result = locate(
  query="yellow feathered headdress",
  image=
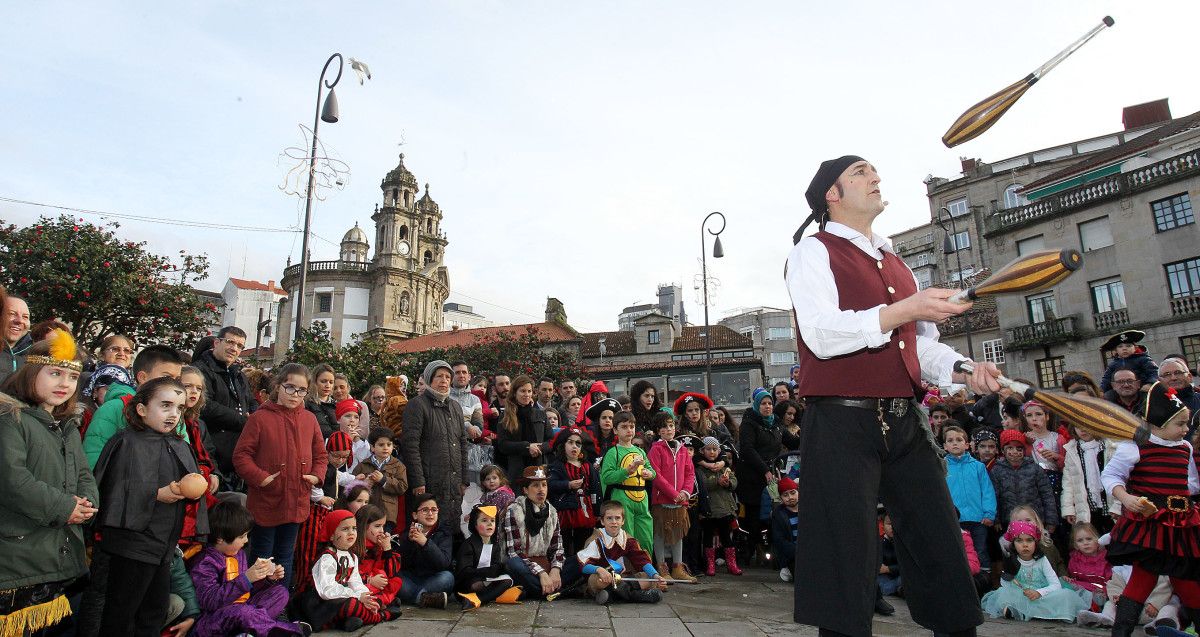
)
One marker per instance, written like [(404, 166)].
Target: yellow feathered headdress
[(63, 352)]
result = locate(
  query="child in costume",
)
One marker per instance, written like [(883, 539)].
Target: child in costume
[(624, 472), (142, 516), (721, 512), (611, 553), (308, 538), (1159, 529), (601, 416), (573, 486), (674, 484), (338, 595), (236, 598), (385, 474), (1026, 513), (349, 420), (378, 561), (533, 540), (481, 577), (1127, 354), (1031, 589)]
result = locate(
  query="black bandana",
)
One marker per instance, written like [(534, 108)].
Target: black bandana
[(825, 178), (534, 521)]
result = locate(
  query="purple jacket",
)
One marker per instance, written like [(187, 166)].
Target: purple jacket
[(213, 591)]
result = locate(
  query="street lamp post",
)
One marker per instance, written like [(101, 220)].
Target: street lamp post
[(327, 114), (949, 246), (718, 252)]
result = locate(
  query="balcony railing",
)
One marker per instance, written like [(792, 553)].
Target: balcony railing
[(1107, 320), (1185, 305), (327, 266), (1111, 187), (1057, 330)]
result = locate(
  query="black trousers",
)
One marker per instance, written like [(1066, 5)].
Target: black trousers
[(137, 598), (846, 467)]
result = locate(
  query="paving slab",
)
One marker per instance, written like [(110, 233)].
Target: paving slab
[(656, 626), (724, 629), (573, 615)]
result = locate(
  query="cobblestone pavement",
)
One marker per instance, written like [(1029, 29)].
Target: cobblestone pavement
[(757, 603)]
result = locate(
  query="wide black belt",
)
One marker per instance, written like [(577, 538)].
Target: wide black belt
[(897, 407), (1177, 503)]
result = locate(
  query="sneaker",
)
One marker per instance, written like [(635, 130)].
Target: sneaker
[(352, 624), (602, 596), (785, 574), (433, 600), (1089, 619), (305, 629)]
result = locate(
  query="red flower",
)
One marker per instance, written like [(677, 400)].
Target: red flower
[(24, 280), (1170, 392), (107, 264)]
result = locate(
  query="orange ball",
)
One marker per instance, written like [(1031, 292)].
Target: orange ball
[(193, 485)]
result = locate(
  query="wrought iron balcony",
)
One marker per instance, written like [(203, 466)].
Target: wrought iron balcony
[(1112, 187), (1057, 330), (1105, 321)]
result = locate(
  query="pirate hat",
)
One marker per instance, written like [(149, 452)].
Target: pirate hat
[(1160, 405), (1128, 336), (604, 404), (681, 403)]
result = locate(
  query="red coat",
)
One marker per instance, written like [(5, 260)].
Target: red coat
[(673, 473), (287, 441)]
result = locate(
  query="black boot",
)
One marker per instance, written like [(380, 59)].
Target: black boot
[(1128, 614), (493, 590), (882, 607)]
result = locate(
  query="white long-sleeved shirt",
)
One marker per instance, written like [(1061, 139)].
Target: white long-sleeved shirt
[(1047, 571), (829, 331), (1117, 471), (325, 582)]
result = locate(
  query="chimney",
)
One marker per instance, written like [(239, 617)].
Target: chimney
[(968, 164), (555, 312), (271, 285), (1147, 114)]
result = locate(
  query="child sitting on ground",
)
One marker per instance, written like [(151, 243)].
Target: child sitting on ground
[(889, 582), (612, 558), (385, 474), (378, 563), (481, 576), (1088, 567), (236, 598), (338, 594), (1031, 589), (425, 556), (1026, 513), (784, 520)]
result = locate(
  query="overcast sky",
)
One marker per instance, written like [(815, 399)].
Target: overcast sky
[(574, 147)]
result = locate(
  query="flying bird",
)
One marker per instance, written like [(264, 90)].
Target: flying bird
[(361, 69)]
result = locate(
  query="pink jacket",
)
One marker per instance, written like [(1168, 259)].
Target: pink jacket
[(674, 473), (972, 556)]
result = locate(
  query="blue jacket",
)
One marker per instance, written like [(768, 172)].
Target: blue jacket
[(1139, 363), (970, 488)]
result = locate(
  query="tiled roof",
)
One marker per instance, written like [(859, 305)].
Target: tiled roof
[(690, 339), (247, 284), (602, 370), (551, 332), (1120, 151)]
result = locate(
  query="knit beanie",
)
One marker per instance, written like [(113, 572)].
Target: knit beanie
[(787, 484), (345, 406), (333, 519), (339, 441)]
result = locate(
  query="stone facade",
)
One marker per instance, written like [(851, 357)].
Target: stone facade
[(774, 334), (397, 293)]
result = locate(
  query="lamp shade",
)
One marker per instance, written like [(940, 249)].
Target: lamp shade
[(718, 251), (329, 113), (947, 244)]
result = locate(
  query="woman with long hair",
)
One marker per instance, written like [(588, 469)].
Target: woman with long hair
[(645, 404), (523, 435)]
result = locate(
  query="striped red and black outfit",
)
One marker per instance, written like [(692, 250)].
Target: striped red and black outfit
[(1168, 541)]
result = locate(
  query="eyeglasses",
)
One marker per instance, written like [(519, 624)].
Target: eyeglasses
[(230, 343), (1124, 382), (292, 390), (118, 350), (1171, 374), (427, 510)]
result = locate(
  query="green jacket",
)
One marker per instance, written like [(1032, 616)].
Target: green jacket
[(106, 422), (109, 419), (42, 467), (181, 585)]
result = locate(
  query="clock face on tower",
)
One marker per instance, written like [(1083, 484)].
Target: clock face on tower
[(402, 248)]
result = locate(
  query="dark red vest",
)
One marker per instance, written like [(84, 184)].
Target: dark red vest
[(1160, 470), (864, 282)]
